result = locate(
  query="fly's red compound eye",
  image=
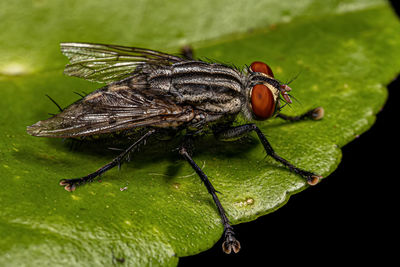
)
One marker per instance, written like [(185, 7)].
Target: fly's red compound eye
[(258, 66), (262, 102)]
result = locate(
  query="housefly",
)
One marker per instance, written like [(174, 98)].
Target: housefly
[(150, 92)]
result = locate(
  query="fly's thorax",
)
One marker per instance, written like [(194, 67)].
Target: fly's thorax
[(159, 79), (208, 87)]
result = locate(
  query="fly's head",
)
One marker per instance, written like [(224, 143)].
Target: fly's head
[(264, 92)]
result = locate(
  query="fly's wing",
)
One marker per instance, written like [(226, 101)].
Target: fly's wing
[(111, 109), (108, 63)]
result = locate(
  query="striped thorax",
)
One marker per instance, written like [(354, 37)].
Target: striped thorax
[(218, 89)]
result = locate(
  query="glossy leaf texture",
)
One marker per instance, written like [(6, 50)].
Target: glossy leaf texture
[(155, 209)]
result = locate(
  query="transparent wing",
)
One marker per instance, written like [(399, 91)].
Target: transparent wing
[(107, 111), (108, 63)]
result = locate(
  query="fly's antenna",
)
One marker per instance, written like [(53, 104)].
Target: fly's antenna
[(55, 103), (289, 95)]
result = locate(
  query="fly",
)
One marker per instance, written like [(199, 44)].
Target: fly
[(150, 92)]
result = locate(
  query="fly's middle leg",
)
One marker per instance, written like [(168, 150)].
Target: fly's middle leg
[(71, 184), (239, 131), (230, 243)]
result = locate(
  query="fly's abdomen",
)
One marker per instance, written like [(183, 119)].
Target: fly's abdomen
[(210, 87)]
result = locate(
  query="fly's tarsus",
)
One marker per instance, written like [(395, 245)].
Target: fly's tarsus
[(72, 184), (313, 114)]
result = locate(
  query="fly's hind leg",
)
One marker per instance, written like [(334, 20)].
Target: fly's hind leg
[(71, 184), (230, 243), (242, 130)]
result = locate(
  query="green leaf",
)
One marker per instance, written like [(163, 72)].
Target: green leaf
[(345, 52)]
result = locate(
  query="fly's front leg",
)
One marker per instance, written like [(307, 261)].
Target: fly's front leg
[(313, 114), (71, 184), (239, 131), (230, 242)]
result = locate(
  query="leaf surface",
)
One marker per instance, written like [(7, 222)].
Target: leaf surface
[(345, 51)]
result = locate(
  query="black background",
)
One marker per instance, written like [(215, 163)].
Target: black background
[(349, 218)]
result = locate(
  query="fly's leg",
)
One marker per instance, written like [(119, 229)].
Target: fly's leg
[(71, 184), (239, 131), (230, 242), (313, 114), (187, 52)]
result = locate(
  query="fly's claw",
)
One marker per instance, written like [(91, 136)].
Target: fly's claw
[(71, 184), (68, 184), (317, 113), (313, 179), (231, 243)]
